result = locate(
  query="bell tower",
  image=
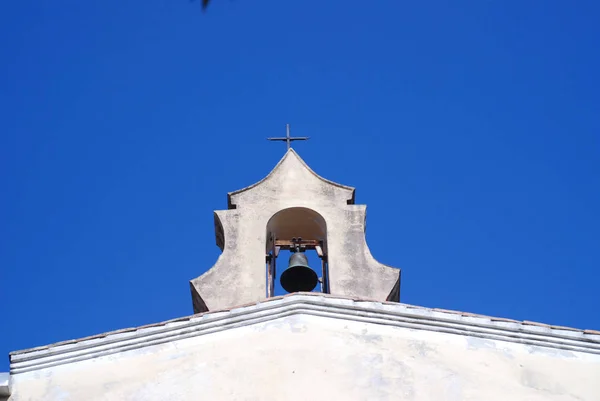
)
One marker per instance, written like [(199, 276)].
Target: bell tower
[(293, 209)]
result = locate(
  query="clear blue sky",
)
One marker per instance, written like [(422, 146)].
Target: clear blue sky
[(469, 128)]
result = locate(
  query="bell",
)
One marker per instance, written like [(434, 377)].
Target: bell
[(298, 276)]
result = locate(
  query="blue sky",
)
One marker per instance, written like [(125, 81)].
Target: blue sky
[(469, 128)]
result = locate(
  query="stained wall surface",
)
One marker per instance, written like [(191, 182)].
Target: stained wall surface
[(304, 357)]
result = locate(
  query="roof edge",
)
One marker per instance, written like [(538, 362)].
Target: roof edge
[(315, 304)]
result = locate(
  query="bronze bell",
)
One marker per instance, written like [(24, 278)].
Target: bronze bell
[(299, 276)]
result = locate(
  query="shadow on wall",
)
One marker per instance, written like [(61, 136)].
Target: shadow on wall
[(285, 227)]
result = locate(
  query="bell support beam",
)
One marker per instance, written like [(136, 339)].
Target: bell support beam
[(291, 244)]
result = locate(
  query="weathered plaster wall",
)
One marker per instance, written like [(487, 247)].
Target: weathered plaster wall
[(302, 357), (238, 277)]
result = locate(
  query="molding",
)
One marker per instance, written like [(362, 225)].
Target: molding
[(390, 314)]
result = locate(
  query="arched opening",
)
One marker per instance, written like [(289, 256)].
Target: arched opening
[(300, 234)]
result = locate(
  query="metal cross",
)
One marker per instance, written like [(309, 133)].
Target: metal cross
[(289, 139)]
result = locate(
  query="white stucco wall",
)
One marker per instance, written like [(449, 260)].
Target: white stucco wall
[(305, 357)]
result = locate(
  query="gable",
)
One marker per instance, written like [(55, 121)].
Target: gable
[(299, 345)]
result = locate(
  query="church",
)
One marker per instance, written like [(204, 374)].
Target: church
[(340, 332)]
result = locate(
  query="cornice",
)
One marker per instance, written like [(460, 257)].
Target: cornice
[(382, 313)]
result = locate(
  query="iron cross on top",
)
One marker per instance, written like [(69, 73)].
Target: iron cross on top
[(289, 139)]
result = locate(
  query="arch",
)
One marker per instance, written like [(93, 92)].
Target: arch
[(284, 230), (296, 222)]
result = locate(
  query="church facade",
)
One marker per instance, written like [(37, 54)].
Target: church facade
[(341, 333)]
